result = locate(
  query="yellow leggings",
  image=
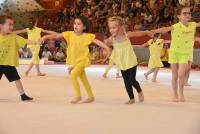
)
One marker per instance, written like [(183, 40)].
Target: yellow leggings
[(35, 54), (79, 71), (109, 67)]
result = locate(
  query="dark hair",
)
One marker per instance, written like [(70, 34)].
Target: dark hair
[(86, 23), (180, 8), (32, 23), (155, 37), (3, 18)]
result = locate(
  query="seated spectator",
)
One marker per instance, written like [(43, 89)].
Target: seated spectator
[(165, 55), (94, 55), (60, 56), (26, 53), (20, 51), (46, 54), (52, 46)]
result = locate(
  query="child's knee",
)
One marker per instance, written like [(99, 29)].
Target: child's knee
[(181, 76), (175, 77)]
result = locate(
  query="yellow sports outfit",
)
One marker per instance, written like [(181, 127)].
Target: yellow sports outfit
[(34, 35), (182, 42), (79, 57), (155, 50), (123, 55), (9, 45)]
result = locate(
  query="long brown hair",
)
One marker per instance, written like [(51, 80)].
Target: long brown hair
[(155, 37), (33, 22)]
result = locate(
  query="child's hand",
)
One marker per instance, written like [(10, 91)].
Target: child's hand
[(150, 33), (70, 68), (41, 40), (107, 56)]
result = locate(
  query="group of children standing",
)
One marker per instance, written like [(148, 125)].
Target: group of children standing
[(78, 57)]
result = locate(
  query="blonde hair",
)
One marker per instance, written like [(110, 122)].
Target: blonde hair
[(119, 19), (121, 22)]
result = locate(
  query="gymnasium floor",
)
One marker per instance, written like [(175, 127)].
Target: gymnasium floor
[(51, 112)]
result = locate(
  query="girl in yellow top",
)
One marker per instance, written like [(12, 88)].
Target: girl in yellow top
[(182, 42), (34, 33), (155, 46), (78, 56), (126, 59)]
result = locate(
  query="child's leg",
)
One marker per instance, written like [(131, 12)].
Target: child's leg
[(188, 74), (135, 83), (29, 68), (155, 75), (107, 70), (149, 72), (181, 79), (174, 68), (12, 75), (117, 73), (75, 73), (19, 86), (36, 59), (38, 70), (20, 89), (128, 86), (87, 86)]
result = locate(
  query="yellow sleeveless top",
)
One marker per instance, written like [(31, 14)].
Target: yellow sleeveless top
[(155, 48), (183, 38), (123, 55), (34, 35)]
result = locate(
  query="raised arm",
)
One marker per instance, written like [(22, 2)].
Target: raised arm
[(52, 36), (141, 46), (139, 33), (20, 31), (108, 41), (102, 45), (167, 41), (198, 24), (162, 30), (49, 32)]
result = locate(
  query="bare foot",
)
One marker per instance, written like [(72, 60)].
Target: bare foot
[(155, 81), (187, 84), (182, 99), (76, 100), (141, 97), (146, 76), (118, 76), (41, 74), (89, 100), (175, 99), (131, 101), (104, 75)]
